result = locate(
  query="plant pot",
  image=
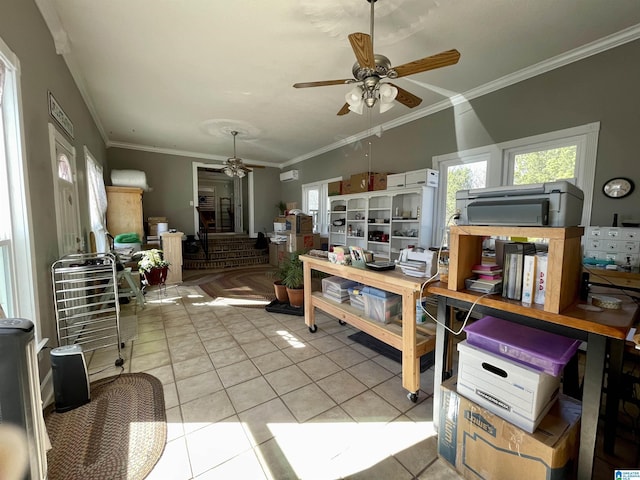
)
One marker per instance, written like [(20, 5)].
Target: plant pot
[(156, 276), (281, 292), (296, 296)]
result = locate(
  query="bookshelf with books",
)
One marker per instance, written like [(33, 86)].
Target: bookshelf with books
[(564, 259)]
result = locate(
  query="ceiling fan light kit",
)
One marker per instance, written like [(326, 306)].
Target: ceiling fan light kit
[(234, 167), (370, 68)]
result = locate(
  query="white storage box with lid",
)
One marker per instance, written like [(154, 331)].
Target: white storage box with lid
[(519, 394), (337, 288), (415, 178), (381, 305)]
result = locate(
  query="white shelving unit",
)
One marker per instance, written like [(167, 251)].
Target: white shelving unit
[(384, 221)]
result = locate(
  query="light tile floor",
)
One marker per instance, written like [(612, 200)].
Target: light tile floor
[(254, 395)]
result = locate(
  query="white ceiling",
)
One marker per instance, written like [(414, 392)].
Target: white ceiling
[(177, 76)]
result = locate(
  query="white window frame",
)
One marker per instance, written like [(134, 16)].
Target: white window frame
[(24, 300), (500, 164), (322, 225)]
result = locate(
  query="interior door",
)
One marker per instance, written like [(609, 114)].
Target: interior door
[(63, 159)]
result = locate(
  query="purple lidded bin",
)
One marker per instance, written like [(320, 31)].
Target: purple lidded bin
[(541, 350)]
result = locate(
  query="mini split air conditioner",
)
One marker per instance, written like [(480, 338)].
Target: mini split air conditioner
[(289, 176)]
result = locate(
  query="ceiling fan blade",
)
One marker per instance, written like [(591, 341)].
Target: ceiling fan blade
[(324, 83), (344, 110), (363, 48), (406, 98), (442, 59)]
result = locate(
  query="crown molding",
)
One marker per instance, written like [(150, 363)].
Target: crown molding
[(186, 153)]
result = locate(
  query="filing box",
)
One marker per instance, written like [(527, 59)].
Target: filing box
[(515, 392), (481, 445), (538, 349), (381, 305)]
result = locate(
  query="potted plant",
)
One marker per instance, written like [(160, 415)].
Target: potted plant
[(293, 279), (279, 288), (282, 207), (153, 266)]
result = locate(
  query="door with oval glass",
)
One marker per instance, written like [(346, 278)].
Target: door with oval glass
[(63, 156)]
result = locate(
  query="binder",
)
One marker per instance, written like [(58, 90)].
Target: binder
[(513, 268)]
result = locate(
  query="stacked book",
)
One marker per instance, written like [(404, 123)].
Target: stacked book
[(414, 268), (488, 278)]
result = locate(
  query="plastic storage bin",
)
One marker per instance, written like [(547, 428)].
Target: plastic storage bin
[(381, 305), (541, 350), (337, 288)]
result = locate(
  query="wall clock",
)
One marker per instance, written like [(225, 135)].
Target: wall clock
[(618, 187)]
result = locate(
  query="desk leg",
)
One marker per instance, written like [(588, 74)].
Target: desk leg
[(594, 369), (410, 362), (441, 369), (309, 313), (614, 384)]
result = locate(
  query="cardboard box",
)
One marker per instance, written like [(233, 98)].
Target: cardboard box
[(379, 181), (299, 224), (277, 253), (481, 445), (334, 188), (291, 205), (360, 182), (518, 393), (303, 243)]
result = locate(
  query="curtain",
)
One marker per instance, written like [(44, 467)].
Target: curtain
[(97, 204), (1, 79)]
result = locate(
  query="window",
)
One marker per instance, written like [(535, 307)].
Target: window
[(562, 155), (315, 202), (15, 216)]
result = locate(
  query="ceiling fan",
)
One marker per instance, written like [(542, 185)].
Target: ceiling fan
[(234, 166), (370, 68)]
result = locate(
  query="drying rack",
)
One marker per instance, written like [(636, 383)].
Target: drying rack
[(86, 301)]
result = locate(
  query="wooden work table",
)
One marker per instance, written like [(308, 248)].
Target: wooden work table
[(413, 340), (600, 329)]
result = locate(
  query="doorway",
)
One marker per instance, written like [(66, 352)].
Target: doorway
[(220, 200)]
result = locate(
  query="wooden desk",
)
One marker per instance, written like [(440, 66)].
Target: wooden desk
[(615, 278), (596, 328), (413, 340)]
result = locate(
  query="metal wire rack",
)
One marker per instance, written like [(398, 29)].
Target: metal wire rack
[(86, 301)]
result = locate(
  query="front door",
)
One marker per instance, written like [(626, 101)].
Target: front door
[(63, 157)]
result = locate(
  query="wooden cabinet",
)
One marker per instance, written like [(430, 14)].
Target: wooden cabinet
[(124, 211)]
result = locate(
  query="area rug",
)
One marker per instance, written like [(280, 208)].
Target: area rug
[(243, 287), (426, 360), (119, 434)]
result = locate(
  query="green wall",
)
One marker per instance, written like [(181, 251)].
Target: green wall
[(171, 178), (23, 29), (601, 88)]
